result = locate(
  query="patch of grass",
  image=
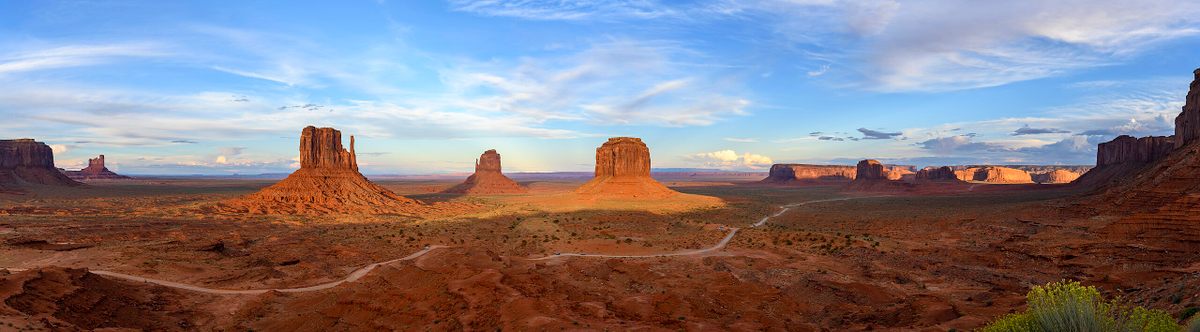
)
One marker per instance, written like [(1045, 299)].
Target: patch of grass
[(1069, 306)]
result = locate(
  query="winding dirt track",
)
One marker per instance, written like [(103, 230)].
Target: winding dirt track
[(359, 273)]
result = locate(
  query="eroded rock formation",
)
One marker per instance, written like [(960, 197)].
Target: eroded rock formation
[(944, 173), (94, 171), (623, 170), (1127, 149), (26, 162), (1187, 124), (994, 174), (487, 178), (870, 169), (328, 182), (1058, 176), (783, 173)]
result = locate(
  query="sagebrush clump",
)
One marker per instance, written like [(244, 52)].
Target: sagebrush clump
[(1069, 306)]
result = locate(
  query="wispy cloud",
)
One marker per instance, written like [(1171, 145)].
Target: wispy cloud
[(78, 55)]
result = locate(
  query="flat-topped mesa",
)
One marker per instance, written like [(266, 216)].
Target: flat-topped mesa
[(25, 161), (94, 171), (994, 174), (1058, 176), (1127, 149), (623, 171), (781, 173), (870, 169), (1187, 124), (328, 182), (487, 178), (322, 148), (944, 173), (623, 156)]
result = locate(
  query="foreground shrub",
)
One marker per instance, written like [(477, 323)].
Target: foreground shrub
[(1194, 326), (1069, 306)]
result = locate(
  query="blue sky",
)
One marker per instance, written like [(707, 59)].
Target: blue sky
[(192, 87)]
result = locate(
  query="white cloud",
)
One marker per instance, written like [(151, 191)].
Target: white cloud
[(741, 140), (731, 159), (66, 56)]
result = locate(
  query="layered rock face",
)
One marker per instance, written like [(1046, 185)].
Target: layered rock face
[(870, 169), (327, 182), (1058, 176), (1187, 124), (994, 174), (487, 178), (897, 172), (623, 170), (26, 162), (944, 173), (783, 173), (94, 171), (1127, 149)]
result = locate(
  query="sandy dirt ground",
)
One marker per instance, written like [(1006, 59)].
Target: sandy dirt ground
[(905, 261)]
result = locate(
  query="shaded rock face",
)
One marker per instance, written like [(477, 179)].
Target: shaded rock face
[(870, 169), (1187, 124), (1057, 176), (95, 170), (623, 171), (944, 173), (24, 162), (810, 173), (328, 182), (487, 178), (1126, 149)]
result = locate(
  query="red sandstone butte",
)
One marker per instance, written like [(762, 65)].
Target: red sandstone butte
[(994, 174), (25, 162), (623, 171), (944, 173), (94, 171), (488, 179), (870, 169), (1187, 124), (804, 173), (1058, 176), (328, 182)]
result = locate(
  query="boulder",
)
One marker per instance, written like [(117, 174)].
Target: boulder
[(94, 171), (25, 162), (328, 182), (784, 173), (623, 171), (487, 178)]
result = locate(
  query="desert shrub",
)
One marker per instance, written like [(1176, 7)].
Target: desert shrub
[(1194, 325), (1069, 306), (1188, 313)]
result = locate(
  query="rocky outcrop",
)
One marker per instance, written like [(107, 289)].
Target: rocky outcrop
[(870, 169), (25, 162), (899, 172), (944, 173), (487, 179), (623, 171), (994, 174), (1058, 176), (1127, 149), (804, 173), (328, 182), (94, 171), (1187, 124)]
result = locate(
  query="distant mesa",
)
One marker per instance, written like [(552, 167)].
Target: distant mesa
[(623, 170), (994, 174), (328, 182), (25, 162), (870, 169), (944, 173), (487, 179), (94, 171), (805, 173), (1058, 176)]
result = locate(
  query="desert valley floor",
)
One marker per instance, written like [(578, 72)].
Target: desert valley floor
[(834, 260)]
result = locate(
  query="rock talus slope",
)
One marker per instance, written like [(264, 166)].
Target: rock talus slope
[(327, 182), (623, 170)]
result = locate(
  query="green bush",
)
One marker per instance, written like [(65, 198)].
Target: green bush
[(1069, 306)]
